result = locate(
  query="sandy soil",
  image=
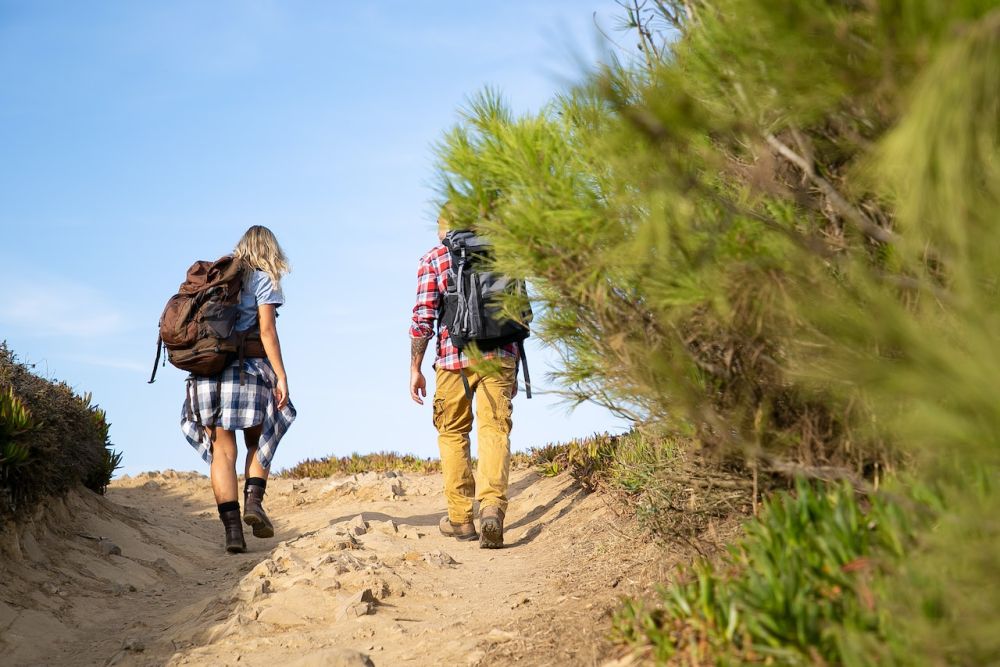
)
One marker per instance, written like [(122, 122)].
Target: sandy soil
[(139, 577)]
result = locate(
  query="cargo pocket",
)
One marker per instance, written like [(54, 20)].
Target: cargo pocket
[(438, 412), (501, 407), (505, 410)]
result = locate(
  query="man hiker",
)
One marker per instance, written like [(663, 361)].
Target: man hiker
[(459, 381)]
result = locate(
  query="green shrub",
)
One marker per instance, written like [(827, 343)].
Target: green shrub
[(798, 582), (98, 478), (587, 459), (939, 600), (591, 461), (549, 460), (42, 458), (16, 425)]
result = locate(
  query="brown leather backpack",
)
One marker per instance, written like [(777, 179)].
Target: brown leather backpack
[(198, 324)]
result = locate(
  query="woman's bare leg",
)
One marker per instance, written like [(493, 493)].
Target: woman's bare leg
[(253, 494), (225, 487), (253, 468), (223, 469)]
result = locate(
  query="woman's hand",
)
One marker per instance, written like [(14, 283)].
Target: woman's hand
[(281, 393), (272, 347)]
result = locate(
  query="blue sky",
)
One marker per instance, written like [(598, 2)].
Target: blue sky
[(137, 137)]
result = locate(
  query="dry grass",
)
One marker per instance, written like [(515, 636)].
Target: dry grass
[(361, 463), (678, 495)]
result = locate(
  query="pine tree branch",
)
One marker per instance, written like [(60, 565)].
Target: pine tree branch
[(645, 38), (851, 213), (791, 469), (672, 17)]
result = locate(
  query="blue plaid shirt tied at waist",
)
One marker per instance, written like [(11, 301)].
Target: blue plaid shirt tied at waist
[(221, 401)]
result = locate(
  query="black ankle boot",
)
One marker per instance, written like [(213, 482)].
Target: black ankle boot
[(235, 544), (254, 514)]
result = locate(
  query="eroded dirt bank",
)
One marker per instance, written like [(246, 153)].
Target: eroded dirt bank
[(139, 577)]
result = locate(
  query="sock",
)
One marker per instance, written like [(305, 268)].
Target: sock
[(255, 481), (229, 506)]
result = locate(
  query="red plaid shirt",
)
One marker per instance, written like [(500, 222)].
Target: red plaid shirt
[(432, 280)]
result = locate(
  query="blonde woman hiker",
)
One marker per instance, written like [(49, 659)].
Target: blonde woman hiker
[(250, 394), (447, 276)]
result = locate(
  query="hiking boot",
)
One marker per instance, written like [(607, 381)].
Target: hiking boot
[(460, 531), (491, 528), (235, 544), (253, 512)]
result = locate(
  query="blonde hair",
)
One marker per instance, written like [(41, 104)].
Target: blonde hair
[(259, 248), (446, 218)]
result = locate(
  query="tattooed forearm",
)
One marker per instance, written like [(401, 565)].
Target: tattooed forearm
[(418, 346)]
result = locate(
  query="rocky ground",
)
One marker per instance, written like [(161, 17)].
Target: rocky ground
[(357, 574)]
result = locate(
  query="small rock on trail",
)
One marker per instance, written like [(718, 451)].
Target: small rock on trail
[(333, 657), (360, 604), (108, 548)]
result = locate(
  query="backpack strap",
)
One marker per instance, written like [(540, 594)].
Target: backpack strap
[(465, 383), (524, 365), (217, 415), (159, 349), (242, 357)]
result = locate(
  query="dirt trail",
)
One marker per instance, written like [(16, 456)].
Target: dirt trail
[(329, 589)]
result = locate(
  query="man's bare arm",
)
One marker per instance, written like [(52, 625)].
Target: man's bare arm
[(418, 347), (418, 385)]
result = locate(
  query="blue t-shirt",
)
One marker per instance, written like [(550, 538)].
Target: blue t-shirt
[(259, 290)]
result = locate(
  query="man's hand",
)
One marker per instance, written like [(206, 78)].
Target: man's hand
[(418, 386)]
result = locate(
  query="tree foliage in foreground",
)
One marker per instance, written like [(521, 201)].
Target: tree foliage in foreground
[(778, 230)]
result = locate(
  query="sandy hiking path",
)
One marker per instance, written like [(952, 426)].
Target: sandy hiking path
[(357, 574)]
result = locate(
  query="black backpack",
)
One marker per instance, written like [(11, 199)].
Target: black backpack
[(473, 308)]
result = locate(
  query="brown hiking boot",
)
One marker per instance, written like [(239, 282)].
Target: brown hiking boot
[(460, 531), (253, 513), (491, 528), (235, 544)]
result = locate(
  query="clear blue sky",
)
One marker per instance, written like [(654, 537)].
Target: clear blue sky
[(137, 137)]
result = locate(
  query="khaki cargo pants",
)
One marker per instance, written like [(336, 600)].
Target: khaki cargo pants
[(453, 420)]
